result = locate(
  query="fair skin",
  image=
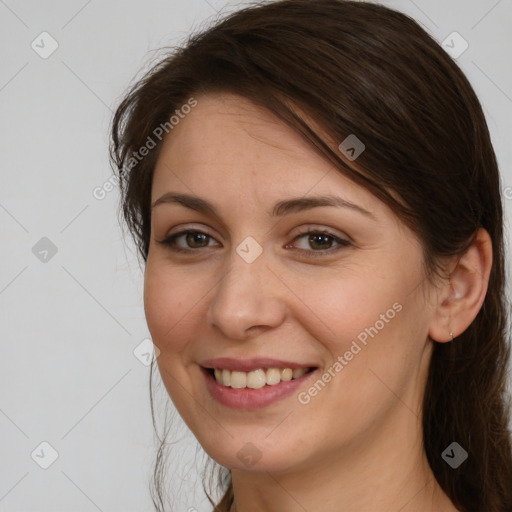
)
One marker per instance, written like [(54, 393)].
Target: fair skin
[(357, 444)]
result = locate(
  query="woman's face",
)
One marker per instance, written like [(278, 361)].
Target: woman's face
[(270, 280)]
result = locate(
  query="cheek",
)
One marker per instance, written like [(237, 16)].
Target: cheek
[(373, 323), (171, 299), (336, 311), (171, 304), (374, 332)]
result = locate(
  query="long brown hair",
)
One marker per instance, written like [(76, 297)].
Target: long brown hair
[(361, 68)]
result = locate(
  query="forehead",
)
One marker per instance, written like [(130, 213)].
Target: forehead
[(227, 147), (225, 129)]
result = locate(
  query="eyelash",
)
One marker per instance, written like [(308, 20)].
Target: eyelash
[(169, 242)]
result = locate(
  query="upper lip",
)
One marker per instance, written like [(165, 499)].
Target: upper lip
[(247, 365)]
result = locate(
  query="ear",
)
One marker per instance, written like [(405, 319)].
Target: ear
[(459, 299)]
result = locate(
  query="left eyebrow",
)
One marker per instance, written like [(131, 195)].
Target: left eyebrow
[(305, 203), (280, 209)]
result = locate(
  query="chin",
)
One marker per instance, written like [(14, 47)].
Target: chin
[(261, 453), (250, 458)]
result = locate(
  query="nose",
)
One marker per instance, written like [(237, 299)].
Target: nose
[(248, 299)]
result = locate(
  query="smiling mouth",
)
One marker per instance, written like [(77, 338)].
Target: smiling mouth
[(258, 378)]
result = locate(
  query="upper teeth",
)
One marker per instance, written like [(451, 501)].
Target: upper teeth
[(257, 378)]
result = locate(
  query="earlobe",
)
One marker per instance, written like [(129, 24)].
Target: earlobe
[(461, 298)]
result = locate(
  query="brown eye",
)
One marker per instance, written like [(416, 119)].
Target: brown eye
[(192, 240), (196, 239), (319, 243)]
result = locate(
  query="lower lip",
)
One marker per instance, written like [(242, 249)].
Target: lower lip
[(250, 399)]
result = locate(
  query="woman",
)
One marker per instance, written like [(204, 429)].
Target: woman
[(314, 192)]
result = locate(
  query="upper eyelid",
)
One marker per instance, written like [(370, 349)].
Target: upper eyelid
[(306, 229)]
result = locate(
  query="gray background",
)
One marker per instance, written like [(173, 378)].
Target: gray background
[(72, 320)]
